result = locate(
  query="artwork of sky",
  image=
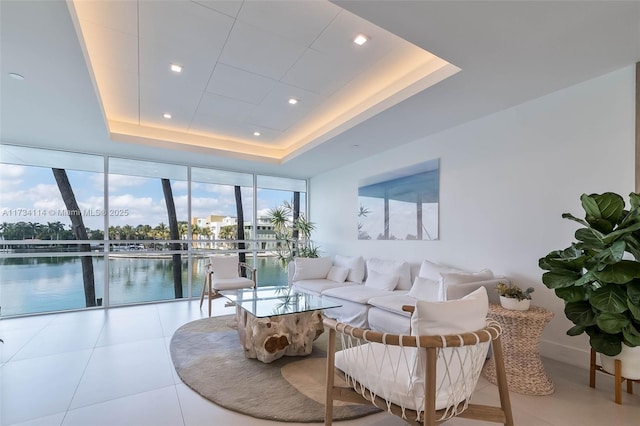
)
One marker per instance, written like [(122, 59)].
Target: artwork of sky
[(400, 205)]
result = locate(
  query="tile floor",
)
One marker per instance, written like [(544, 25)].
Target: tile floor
[(113, 368)]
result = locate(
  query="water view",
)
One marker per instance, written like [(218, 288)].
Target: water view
[(44, 284)]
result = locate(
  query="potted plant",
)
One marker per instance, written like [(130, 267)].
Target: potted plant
[(293, 231), (600, 286), (513, 297)]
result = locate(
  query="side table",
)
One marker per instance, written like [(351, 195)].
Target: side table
[(521, 331)]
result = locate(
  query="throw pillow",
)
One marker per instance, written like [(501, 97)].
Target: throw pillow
[(432, 270), (338, 274), (355, 266), (451, 279), (391, 267), (381, 281), (451, 317), (224, 267), (313, 268), (426, 289)]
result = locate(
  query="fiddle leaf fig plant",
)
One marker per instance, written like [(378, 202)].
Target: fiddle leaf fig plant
[(599, 285)]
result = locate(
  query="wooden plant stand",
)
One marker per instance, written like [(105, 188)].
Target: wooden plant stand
[(617, 377)]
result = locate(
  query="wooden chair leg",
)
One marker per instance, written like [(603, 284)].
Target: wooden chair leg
[(501, 376), (618, 381), (204, 286), (331, 351), (630, 386), (210, 295), (592, 370)]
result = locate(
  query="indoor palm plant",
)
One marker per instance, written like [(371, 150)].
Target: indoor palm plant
[(598, 283), (293, 232)]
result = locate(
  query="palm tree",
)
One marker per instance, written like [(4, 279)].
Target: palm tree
[(80, 233), (293, 235), (175, 235)]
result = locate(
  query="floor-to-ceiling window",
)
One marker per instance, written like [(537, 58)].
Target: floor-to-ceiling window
[(82, 230)]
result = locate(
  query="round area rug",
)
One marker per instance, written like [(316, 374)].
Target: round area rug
[(208, 358)]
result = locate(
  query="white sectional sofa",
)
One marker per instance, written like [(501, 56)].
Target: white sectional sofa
[(372, 292)]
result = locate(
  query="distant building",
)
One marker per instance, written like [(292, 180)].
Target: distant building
[(215, 223)]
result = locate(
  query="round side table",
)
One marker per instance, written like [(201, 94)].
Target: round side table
[(521, 331)]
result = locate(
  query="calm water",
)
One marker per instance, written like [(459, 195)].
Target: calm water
[(31, 285)]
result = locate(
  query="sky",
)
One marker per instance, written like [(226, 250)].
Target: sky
[(30, 194)]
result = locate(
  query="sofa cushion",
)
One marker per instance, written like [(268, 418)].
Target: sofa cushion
[(316, 287), (432, 270), (381, 281), (399, 268), (311, 268), (426, 289), (355, 293), (393, 303), (355, 265), (338, 274)]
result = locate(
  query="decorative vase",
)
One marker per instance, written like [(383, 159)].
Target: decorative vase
[(630, 359), (514, 304)]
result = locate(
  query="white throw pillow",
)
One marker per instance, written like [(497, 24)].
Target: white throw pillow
[(432, 270), (338, 274), (224, 267), (355, 266), (448, 279), (391, 267), (451, 317), (311, 268), (426, 289), (381, 281)]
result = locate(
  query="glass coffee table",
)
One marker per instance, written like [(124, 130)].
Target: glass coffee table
[(277, 321)]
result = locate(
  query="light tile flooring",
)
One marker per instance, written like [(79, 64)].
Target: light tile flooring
[(113, 368)]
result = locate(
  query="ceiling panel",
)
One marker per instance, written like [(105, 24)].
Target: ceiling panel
[(323, 74), (179, 100), (228, 7), (239, 84), (120, 93), (183, 29), (299, 21), (259, 51), (276, 113)]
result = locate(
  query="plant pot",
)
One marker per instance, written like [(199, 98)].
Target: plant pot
[(514, 304), (630, 359)]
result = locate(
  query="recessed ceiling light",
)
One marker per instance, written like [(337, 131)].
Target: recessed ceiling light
[(16, 76), (360, 39), (166, 115), (293, 101), (176, 68), (256, 133)]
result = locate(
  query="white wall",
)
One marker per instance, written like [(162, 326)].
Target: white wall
[(505, 180)]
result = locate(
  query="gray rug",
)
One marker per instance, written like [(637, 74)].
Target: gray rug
[(208, 358)]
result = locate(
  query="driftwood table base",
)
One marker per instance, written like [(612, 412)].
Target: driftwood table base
[(271, 338)]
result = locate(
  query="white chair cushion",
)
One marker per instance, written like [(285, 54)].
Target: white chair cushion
[(381, 281), (224, 267), (316, 287), (311, 268), (399, 268), (231, 283), (355, 265), (338, 274), (426, 289)]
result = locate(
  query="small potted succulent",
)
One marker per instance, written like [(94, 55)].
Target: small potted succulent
[(513, 297)]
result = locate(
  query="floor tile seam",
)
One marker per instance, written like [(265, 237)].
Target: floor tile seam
[(25, 344), (175, 388), (111, 399), (75, 391)]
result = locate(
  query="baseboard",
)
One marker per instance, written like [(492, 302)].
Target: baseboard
[(567, 354)]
